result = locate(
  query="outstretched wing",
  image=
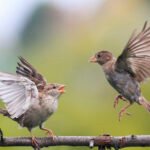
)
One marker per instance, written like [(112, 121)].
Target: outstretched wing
[(135, 57), (17, 93), (27, 70)]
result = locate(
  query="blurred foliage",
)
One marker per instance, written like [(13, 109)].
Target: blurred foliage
[(59, 47)]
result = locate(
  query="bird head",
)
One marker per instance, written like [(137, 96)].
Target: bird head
[(55, 89), (101, 57)]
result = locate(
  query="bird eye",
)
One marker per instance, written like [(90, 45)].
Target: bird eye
[(54, 87), (98, 55)]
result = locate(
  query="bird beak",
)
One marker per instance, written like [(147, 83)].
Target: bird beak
[(93, 59), (61, 89)]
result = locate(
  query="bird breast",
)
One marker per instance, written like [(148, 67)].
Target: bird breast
[(39, 112), (49, 104)]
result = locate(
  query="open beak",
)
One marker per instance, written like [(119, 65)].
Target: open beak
[(61, 89), (93, 59)]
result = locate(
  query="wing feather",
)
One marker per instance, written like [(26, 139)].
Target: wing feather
[(135, 57), (27, 70), (17, 93)]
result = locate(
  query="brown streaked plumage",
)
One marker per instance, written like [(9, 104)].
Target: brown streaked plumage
[(129, 69), (29, 99), (27, 70)]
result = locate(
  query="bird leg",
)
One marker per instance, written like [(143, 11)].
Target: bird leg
[(117, 100), (35, 142), (123, 110), (49, 132)]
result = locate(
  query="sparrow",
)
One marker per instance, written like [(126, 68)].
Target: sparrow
[(131, 68), (29, 99)]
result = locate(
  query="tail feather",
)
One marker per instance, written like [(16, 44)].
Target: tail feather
[(144, 103)]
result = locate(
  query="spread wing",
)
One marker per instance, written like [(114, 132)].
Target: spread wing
[(135, 57), (27, 70), (17, 93)]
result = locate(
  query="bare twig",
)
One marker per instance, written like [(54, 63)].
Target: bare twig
[(116, 142)]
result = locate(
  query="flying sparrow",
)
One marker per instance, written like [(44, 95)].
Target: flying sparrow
[(126, 72), (29, 99)]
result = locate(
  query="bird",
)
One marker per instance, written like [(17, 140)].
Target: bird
[(132, 67), (29, 99)]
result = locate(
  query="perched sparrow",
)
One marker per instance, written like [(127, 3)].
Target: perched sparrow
[(130, 69), (29, 99)]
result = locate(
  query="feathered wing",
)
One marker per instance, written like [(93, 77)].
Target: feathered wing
[(135, 57), (17, 93), (27, 70)]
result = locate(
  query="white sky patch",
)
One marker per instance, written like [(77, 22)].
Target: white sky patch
[(77, 5), (14, 15)]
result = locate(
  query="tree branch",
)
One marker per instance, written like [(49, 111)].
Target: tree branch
[(100, 141)]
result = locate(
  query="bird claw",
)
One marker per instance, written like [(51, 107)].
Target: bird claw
[(50, 134), (35, 143), (122, 112)]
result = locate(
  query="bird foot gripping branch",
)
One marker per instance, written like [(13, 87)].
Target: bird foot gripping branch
[(35, 143)]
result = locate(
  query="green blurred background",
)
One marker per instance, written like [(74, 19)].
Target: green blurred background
[(58, 37)]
